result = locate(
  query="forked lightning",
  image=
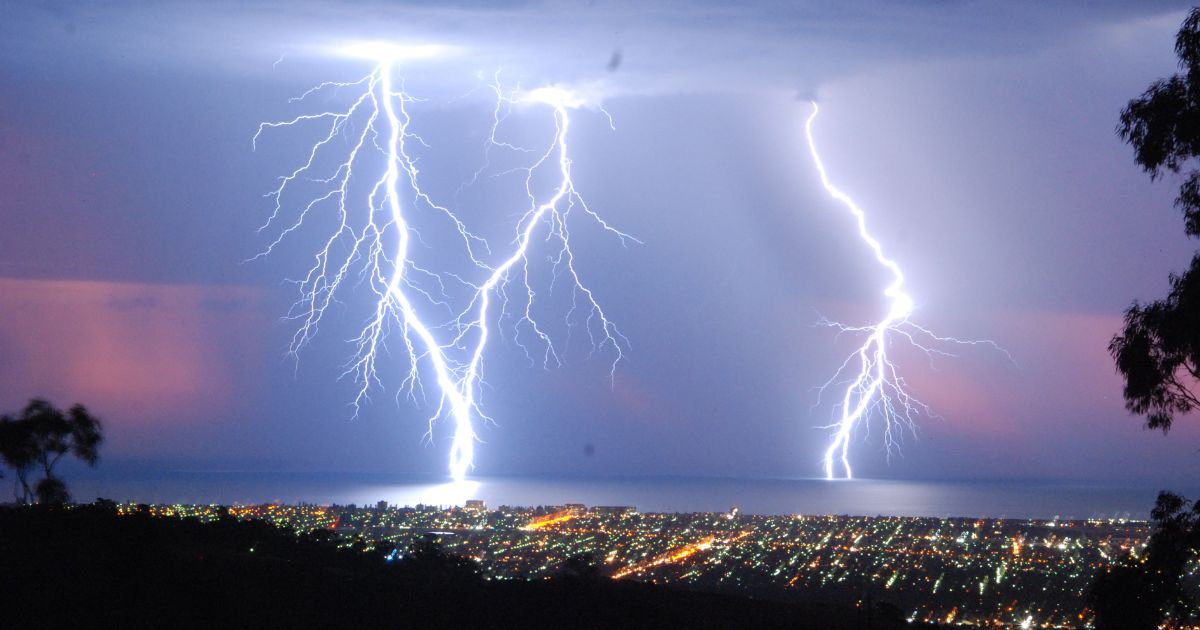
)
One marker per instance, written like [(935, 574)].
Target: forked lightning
[(371, 245), (873, 384)]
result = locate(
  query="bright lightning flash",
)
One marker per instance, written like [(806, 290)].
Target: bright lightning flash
[(874, 386), (372, 245)]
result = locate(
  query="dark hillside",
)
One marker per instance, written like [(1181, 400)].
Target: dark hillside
[(88, 567)]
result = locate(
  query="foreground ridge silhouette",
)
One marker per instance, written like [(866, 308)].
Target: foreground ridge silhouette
[(86, 565)]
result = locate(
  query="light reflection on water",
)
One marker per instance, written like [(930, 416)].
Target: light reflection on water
[(1008, 499)]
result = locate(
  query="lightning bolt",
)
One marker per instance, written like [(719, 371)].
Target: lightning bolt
[(371, 246), (875, 386)]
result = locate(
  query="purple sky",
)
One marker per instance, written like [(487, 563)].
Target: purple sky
[(978, 137)]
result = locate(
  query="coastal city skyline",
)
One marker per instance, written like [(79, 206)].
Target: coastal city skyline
[(1013, 573)]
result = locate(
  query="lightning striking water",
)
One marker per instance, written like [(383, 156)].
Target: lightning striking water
[(372, 245), (875, 386)]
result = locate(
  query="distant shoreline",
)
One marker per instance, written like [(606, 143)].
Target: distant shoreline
[(251, 510), (1019, 500)]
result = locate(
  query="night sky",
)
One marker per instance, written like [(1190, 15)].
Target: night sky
[(979, 138)]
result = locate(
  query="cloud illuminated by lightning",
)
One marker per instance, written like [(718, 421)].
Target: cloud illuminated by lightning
[(371, 245), (873, 384)]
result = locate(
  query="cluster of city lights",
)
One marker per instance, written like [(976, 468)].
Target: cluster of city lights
[(1010, 573)]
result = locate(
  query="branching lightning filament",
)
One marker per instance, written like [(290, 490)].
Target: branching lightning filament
[(374, 241), (873, 384)]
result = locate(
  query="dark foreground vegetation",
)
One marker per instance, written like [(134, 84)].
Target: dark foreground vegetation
[(1158, 355), (86, 566)]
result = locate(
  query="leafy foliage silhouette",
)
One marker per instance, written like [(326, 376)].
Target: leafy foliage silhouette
[(1158, 352), (1155, 589), (38, 438)]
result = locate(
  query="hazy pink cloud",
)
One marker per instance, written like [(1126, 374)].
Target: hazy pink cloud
[(1062, 377), (139, 353)]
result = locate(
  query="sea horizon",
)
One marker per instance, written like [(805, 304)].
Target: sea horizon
[(975, 498)]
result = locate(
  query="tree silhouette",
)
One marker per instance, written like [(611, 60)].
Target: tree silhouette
[(427, 558), (1158, 352), (582, 567), (1148, 591), (38, 437)]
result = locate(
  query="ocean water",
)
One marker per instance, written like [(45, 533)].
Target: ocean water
[(994, 499)]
